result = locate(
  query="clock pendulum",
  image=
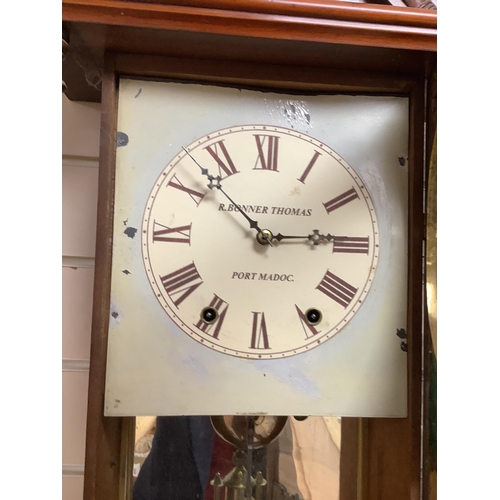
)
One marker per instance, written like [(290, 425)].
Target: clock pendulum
[(247, 433)]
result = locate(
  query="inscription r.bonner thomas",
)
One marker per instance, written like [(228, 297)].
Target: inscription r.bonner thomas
[(262, 209), (262, 276)]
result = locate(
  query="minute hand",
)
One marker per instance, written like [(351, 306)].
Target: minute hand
[(264, 238)]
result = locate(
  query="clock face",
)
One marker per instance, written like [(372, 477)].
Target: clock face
[(259, 241), (245, 253)]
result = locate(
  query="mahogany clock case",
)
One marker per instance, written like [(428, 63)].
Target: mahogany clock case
[(408, 83)]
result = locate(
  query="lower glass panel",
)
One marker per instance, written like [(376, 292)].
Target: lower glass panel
[(176, 458)]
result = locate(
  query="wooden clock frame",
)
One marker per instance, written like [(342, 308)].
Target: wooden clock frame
[(290, 45)]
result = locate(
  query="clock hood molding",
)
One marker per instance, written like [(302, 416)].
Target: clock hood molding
[(335, 35)]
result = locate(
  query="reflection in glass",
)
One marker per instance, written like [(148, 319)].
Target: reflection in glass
[(176, 458)]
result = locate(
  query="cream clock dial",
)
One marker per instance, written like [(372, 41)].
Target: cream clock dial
[(260, 242)]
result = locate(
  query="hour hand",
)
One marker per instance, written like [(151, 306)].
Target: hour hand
[(316, 238)]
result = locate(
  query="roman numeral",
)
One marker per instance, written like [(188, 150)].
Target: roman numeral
[(228, 166), (221, 307), (308, 168), (351, 244), (337, 289), (311, 330), (181, 283), (181, 234), (194, 195), (341, 200), (260, 339), (267, 145)]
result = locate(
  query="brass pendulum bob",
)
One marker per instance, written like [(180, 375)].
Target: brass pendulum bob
[(260, 482), (236, 482), (246, 433), (218, 484)]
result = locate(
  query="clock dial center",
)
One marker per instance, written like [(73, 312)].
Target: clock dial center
[(264, 237)]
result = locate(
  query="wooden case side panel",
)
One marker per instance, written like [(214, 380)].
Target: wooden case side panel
[(104, 435), (351, 456), (415, 283)]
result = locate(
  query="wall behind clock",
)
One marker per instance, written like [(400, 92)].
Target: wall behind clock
[(80, 140)]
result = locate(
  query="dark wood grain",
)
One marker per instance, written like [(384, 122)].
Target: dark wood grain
[(315, 44), (126, 457), (351, 475), (271, 76), (341, 11), (176, 43), (104, 434), (429, 393), (416, 222), (374, 27)]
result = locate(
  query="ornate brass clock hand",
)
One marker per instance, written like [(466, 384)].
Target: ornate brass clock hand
[(263, 237), (205, 172), (316, 238)]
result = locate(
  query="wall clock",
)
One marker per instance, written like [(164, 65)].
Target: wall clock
[(259, 250), (375, 50)]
